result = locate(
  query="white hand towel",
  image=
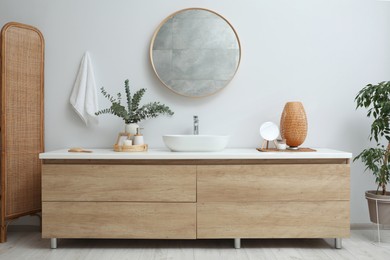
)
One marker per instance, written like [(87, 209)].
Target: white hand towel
[(84, 97)]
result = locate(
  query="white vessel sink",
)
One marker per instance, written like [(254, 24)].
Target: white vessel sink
[(196, 143)]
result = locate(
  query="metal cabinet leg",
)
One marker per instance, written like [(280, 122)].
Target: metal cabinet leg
[(237, 243), (53, 243), (338, 243)]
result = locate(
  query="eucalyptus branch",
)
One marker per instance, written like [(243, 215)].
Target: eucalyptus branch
[(106, 95), (136, 99), (128, 96), (133, 113), (104, 111), (119, 95)]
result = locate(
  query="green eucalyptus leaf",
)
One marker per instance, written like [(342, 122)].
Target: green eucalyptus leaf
[(132, 113)]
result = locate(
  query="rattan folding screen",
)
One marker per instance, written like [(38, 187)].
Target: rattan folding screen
[(22, 67)]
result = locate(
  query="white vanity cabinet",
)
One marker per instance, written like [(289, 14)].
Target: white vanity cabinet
[(234, 194)]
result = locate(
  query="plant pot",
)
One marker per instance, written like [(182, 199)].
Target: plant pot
[(383, 202), (131, 128)]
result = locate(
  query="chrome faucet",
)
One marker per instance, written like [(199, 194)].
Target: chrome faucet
[(196, 125)]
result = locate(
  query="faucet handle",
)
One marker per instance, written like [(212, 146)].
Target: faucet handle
[(196, 125)]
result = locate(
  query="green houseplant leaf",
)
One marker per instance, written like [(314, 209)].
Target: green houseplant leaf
[(132, 113), (376, 99)]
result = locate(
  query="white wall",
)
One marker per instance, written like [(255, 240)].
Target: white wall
[(319, 52)]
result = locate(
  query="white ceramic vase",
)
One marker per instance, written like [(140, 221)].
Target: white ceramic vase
[(131, 128)]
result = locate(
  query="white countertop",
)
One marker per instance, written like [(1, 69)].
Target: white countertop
[(158, 154)]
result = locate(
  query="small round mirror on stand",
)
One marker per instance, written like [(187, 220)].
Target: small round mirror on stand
[(195, 52), (269, 131)]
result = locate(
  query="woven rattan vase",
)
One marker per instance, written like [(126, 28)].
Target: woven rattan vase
[(293, 124)]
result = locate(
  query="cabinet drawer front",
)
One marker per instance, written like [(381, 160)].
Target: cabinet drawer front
[(118, 220), (221, 183), (156, 183), (327, 219)]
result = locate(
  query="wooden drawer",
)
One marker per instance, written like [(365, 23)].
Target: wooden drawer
[(157, 183), (118, 220), (328, 219), (250, 183)]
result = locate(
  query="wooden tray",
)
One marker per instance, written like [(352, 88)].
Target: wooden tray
[(132, 148), (303, 149)]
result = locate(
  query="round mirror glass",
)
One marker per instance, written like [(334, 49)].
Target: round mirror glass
[(269, 131), (195, 52)]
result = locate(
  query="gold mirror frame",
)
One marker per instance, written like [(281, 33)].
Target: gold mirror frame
[(170, 17)]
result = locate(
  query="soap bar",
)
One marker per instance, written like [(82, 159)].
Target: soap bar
[(127, 143)]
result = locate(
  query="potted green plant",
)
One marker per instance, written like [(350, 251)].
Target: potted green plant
[(376, 99), (132, 113)]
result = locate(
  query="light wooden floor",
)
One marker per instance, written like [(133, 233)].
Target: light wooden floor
[(30, 245)]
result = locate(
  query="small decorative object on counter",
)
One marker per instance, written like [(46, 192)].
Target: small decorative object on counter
[(78, 150), (281, 144), (299, 150), (293, 124), (124, 143), (128, 142), (132, 148), (269, 131), (122, 138), (132, 113), (138, 138)]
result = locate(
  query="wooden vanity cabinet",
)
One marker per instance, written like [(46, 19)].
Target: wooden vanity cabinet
[(273, 201), (118, 201), (175, 199)]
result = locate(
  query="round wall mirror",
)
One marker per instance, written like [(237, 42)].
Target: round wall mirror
[(195, 52)]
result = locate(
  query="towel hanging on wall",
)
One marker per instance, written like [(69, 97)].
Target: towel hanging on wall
[(84, 97)]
